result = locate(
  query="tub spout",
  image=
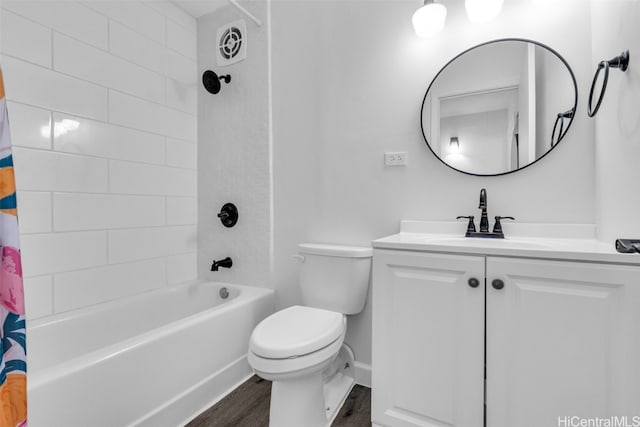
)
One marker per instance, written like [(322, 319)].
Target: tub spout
[(226, 263)]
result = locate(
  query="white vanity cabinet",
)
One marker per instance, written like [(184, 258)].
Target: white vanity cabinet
[(428, 339), (559, 338)]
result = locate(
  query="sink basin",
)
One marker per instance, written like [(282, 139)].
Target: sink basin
[(478, 242)]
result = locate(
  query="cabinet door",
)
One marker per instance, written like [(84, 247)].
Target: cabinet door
[(428, 340), (562, 341)]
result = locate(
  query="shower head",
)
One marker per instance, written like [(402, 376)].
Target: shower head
[(211, 81)]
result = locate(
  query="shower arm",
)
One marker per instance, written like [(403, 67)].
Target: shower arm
[(246, 12)]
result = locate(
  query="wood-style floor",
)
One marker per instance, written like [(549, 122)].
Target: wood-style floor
[(248, 406)]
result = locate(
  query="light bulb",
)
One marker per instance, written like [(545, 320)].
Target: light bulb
[(429, 19), (482, 10), (454, 145)]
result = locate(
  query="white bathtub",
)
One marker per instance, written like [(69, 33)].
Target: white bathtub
[(155, 359)]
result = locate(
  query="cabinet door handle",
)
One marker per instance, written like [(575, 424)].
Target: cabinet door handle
[(497, 284), (473, 282)]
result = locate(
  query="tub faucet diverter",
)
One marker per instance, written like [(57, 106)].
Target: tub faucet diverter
[(226, 263), (497, 232)]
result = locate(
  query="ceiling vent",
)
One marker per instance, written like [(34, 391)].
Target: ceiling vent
[(232, 43)]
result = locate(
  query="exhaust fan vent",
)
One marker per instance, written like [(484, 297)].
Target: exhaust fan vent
[(232, 43)]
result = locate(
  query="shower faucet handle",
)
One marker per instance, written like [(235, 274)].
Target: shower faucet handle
[(228, 215)]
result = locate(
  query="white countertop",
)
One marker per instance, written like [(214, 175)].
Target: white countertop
[(575, 242)]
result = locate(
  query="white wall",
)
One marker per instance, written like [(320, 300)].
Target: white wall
[(617, 124), (109, 209), (299, 76), (234, 154), (348, 82)]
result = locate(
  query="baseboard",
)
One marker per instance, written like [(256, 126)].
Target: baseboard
[(363, 374)]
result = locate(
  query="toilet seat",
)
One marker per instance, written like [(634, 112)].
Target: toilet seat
[(296, 367), (295, 332)]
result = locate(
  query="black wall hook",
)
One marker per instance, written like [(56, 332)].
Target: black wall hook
[(211, 81), (621, 62)]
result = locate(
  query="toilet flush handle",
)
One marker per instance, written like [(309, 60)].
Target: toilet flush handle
[(299, 258)]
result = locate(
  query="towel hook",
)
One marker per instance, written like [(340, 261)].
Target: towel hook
[(621, 62)]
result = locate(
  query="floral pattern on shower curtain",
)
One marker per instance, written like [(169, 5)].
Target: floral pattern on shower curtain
[(13, 355)]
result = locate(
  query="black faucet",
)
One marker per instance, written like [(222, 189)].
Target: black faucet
[(484, 219), (497, 232), (226, 263)]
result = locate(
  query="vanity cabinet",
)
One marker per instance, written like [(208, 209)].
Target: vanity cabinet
[(526, 344), (428, 339)]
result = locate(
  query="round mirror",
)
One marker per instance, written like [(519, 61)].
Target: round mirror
[(499, 107)]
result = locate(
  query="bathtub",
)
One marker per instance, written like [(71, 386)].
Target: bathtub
[(156, 359)]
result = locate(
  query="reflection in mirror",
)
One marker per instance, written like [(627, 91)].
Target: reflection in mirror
[(505, 103)]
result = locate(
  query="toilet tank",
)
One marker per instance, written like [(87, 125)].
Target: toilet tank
[(335, 277)]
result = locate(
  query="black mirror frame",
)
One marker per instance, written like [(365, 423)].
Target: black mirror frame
[(575, 105)]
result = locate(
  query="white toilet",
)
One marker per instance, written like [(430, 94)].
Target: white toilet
[(301, 348)]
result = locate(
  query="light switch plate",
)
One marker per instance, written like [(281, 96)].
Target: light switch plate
[(395, 158)]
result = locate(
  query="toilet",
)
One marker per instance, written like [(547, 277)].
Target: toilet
[(301, 348)]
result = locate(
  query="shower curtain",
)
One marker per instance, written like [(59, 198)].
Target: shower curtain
[(13, 360)]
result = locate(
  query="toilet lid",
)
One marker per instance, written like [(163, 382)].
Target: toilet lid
[(296, 331)]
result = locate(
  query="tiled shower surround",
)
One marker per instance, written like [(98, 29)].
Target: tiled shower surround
[(102, 108)]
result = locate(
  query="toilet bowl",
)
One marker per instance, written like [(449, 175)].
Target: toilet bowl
[(297, 348), (301, 348), (299, 362)]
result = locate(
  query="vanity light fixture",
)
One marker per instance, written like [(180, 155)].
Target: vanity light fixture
[(429, 19), (482, 10), (454, 144)]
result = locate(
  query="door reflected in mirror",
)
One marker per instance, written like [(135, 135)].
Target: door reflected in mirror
[(495, 108)]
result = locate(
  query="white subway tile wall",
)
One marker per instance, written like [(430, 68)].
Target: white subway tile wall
[(182, 210), (45, 88), (31, 124), (28, 40), (38, 292), (180, 265), (35, 212), (103, 113), (105, 283)]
